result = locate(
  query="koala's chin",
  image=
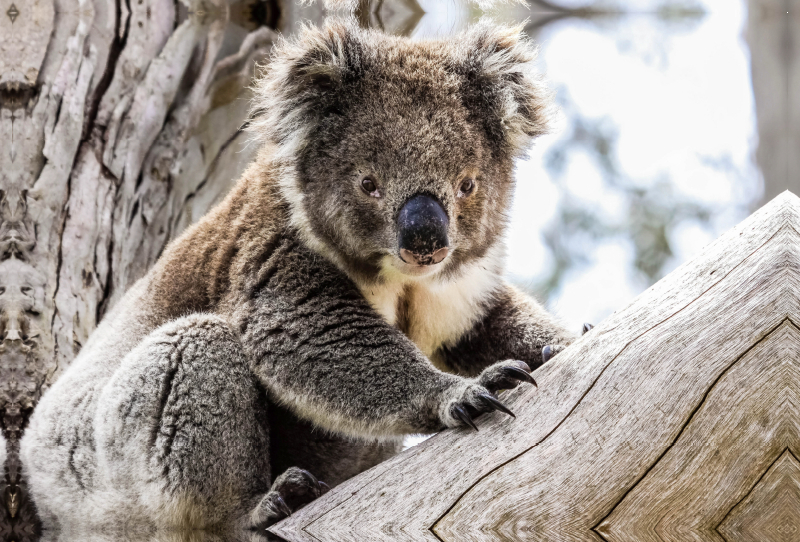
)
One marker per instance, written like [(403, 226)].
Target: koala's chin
[(393, 267)]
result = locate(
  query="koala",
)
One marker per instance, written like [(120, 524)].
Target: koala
[(347, 292)]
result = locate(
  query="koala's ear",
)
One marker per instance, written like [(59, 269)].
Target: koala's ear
[(302, 81), (499, 87)]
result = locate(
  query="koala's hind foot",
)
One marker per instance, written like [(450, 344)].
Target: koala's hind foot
[(479, 397), (182, 427), (291, 491)]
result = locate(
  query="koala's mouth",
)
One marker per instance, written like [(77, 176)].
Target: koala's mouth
[(423, 260), (412, 269)]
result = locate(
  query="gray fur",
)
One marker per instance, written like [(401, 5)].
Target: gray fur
[(281, 331)]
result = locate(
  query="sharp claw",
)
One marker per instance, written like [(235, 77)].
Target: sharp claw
[(519, 374), (586, 327), (324, 487), (547, 353), (494, 402), (283, 506), (310, 478), (462, 415)]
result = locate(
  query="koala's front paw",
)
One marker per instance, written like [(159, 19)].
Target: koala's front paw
[(477, 397), (291, 490)]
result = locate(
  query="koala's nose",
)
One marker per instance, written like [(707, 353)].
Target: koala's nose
[(422, 231)]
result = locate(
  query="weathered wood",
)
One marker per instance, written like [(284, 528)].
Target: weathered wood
[(722, 450), (771, 509), (671, 420), (25, 39)]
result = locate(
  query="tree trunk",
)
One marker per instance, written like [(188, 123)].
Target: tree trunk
[(773, 34), (120, 124)]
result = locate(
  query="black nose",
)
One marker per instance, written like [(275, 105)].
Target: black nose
[(422, 231)]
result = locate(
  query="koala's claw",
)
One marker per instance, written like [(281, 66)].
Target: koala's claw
[(505, 376), (551, 350), (269, 511), (478, 397), (586, 327), (281, 504), (495, 404), (291, 490), (458, 412), (519, 374)]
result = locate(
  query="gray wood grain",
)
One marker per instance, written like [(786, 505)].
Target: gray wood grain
[(653, 426), (747, 420), (770, 510)]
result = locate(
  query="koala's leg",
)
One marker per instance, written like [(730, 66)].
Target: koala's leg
[(182, 427), (514, 326)]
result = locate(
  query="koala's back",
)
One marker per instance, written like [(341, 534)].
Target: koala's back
[(58, 447), (206, 270)]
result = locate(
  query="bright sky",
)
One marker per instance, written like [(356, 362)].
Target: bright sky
[(674, 99)]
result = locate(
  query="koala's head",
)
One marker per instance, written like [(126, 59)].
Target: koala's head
[(397, 155)]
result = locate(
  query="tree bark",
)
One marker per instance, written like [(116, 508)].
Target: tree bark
[(120, 124)]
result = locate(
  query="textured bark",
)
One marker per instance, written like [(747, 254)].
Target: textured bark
[(674, 419), (120, 124)]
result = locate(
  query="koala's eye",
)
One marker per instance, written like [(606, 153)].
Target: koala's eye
[(466, 188), (369, 186)]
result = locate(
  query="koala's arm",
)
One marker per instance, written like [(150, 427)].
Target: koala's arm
[(512, 326), (322, 351)]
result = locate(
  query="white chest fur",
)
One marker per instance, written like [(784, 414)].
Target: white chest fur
[(433, 312)]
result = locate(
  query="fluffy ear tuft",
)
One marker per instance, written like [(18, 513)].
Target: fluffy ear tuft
[(301, 81), (510, 102)]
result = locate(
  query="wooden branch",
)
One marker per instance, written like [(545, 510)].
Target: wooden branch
[(674, 419)]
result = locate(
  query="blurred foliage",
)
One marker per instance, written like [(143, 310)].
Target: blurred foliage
[(652, 207), (680, 14)]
